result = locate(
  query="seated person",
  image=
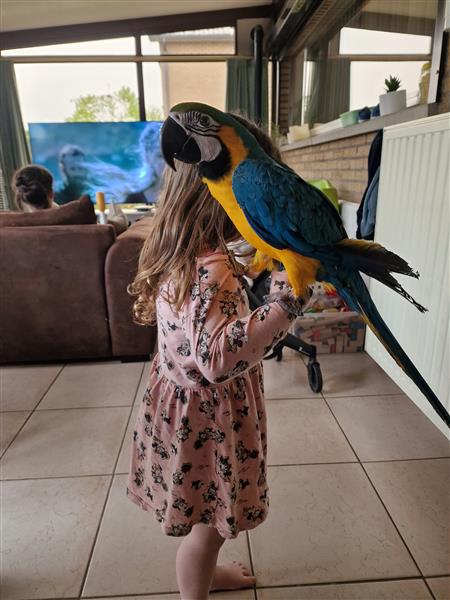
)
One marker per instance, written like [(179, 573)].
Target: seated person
[(33, 189)]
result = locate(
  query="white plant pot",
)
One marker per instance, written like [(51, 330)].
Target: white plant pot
[(392, 102)]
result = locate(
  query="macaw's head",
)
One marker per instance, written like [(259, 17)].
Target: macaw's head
[(200, 134)]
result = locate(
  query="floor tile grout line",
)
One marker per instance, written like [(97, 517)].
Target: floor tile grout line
[(108, 493), (318, 464), (265, 587), (32, 411), (255, 593), (352, 462), (314, 396), (42, 410), (144, 595), (252, 566), (51, 385), (389, 460), (398, 531), (83, 476), (365, 395), (340, 582), (383, 504), (333, 416), (94, 541)]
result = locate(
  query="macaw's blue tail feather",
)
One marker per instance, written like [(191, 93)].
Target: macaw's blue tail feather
[(357, 297)]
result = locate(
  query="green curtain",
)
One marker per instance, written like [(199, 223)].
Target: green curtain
[(329, 90), (240, 96), (14, 151)]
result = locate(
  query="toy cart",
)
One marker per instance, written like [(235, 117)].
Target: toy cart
[(256, 298)]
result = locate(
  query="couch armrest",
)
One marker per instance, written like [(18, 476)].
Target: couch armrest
[(127, 338), (52, 304)]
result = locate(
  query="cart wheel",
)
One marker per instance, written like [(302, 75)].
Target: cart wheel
[(314, 376)]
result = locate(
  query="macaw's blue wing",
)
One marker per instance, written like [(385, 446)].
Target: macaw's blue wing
[(284, 210)]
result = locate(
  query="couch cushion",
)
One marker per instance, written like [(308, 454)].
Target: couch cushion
[(52, 301), (78, 212)]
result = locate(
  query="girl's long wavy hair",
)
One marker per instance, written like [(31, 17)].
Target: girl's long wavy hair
[(187, 223)]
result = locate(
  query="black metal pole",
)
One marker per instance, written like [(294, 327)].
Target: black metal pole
[(140, 80), (257, 37)]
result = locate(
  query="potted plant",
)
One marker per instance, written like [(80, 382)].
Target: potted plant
[(394, 99)]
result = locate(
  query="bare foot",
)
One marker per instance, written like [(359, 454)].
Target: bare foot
[(232, 576)]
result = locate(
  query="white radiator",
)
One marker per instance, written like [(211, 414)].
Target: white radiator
[(413, 221)]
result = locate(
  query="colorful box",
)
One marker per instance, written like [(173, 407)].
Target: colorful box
[(332, 332)]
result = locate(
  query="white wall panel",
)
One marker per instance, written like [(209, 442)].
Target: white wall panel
[(413, 221)]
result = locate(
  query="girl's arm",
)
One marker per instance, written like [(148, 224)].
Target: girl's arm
[(225, 345)]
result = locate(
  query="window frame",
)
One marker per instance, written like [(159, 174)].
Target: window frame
[(137, 58), (436, 71)]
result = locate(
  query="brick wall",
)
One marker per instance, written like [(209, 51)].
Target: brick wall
[(343, 162), (284, 95)]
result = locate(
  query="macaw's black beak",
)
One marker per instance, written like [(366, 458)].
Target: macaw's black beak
[(176, 143)]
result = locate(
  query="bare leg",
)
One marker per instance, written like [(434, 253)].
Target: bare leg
[(196, 562)]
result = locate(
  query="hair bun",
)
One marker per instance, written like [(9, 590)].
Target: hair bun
[(21, 182), (34, 193), (33, 185)]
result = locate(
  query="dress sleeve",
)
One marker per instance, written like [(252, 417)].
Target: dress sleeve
[(225, 344)]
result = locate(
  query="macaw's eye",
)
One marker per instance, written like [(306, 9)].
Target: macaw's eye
[(204, 120)]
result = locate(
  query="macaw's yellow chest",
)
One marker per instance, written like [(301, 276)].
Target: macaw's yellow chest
[(301, 270), (223, 193), (222, 190)]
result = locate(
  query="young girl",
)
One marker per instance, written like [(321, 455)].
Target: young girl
[(199, 448)]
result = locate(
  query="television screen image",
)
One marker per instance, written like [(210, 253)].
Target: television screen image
[(123, 160)]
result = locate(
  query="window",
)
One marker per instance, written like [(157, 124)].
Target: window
[(346, 69), (52, 93), (365, 41), (68, 88)]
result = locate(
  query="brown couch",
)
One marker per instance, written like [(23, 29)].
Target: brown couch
[(63, 287)]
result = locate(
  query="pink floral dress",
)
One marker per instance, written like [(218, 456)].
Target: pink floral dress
[(199, 445)]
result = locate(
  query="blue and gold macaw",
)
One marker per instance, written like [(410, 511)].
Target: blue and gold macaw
[(287, 219)]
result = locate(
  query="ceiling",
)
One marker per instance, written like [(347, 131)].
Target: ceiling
[(34, 14), (425, 9)]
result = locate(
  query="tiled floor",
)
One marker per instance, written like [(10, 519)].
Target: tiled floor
[(359, 489)]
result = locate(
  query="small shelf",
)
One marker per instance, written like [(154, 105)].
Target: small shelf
[(412, 113)]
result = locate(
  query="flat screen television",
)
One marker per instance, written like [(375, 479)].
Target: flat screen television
[(123, 160)]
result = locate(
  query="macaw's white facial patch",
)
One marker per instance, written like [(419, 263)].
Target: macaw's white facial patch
[(203, 129), (209, 146)]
